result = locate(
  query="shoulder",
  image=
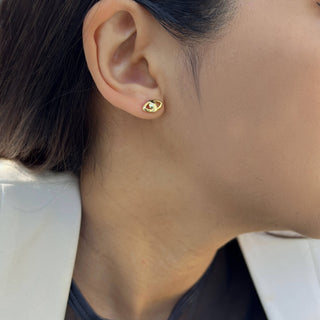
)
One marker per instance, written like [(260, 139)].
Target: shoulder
[(23, 188), (15, 172), (40, 218)]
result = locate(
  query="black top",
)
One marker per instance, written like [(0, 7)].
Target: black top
[(225, 291)]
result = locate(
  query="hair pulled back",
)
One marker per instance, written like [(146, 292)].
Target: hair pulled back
[(45, 84)]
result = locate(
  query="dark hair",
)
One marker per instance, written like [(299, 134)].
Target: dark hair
[(45, 85)]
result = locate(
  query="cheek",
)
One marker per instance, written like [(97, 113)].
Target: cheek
[(262, 105)]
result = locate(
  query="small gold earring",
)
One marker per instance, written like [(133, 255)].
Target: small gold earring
[(153, 105)]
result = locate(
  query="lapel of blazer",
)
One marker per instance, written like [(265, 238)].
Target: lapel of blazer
[(286, 274), (40, 219)]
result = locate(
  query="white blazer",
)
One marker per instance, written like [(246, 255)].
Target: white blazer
[(40, 219)]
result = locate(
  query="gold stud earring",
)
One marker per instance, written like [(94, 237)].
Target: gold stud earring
[(153, 105)]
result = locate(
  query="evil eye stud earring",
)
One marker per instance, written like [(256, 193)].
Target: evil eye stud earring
[(153, 106)]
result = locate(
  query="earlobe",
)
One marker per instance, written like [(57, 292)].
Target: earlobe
[(115, 46)]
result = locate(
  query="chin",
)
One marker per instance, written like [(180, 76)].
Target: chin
[(286, 234), (313, 233)]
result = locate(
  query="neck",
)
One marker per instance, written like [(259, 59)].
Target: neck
[(149, 231)]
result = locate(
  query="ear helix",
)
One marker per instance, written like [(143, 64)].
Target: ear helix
[(153, 105)]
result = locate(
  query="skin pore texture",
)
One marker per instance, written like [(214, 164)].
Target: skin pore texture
[(161, 193)]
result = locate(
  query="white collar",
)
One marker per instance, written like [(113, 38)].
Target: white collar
[(286, 274), (39, 228)]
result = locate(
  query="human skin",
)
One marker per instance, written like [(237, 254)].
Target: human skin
[(161, 193)]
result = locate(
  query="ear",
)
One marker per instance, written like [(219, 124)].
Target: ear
[(122, 56)]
